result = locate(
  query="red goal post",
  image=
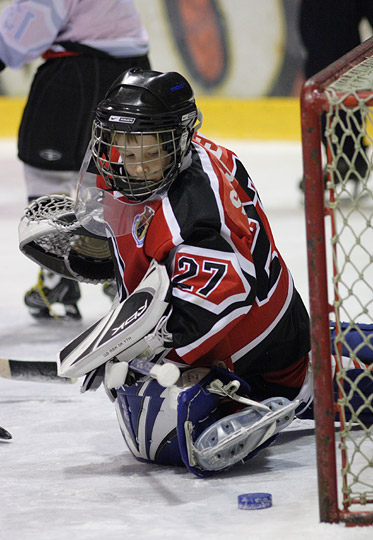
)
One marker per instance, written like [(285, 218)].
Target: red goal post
[(339, 225)]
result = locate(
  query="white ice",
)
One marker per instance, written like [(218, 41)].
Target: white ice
[(67, 473)]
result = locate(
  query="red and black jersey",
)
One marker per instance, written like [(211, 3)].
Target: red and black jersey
[(231, 289)]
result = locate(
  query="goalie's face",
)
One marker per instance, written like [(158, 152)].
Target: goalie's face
[(138, 165), (144, 156)]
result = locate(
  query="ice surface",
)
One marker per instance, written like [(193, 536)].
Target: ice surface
[(67, 474)]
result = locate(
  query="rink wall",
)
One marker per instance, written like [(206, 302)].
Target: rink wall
[(244, 60), (226, 48), (255, 119)]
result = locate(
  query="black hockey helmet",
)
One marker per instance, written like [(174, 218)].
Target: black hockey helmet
[(141, 103)]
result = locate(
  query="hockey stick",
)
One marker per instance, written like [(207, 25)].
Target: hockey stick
[(26, 370), (116, 373), (29, 370), (165, 374)]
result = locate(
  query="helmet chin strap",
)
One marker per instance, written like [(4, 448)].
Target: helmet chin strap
[(198, 121), (186, 162)]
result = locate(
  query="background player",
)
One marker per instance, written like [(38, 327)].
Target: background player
[(85, 44)]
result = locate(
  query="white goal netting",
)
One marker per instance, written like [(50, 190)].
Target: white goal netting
[(349, 211)]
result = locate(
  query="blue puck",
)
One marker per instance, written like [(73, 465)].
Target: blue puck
[(254, 501)]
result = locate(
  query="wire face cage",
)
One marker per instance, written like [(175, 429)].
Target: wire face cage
[(337, 142)]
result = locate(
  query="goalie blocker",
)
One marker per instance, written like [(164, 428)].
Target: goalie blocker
[(134, 327)]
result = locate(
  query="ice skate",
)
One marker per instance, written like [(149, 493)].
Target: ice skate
[(232, 438), (53, 289)]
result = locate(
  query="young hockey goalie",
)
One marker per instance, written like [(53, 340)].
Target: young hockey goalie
[(201, 284)]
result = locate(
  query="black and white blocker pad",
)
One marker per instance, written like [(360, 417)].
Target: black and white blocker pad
[(128, 330), (192, 423), (50, 235)]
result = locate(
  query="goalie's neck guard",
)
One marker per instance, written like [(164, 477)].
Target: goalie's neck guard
[(104, 212)]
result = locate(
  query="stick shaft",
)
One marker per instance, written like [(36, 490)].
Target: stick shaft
[(29, 370), (166, 374), (143, 367)]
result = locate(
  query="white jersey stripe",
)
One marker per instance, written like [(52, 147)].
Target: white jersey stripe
[(245, 264), (171, 222), (250, 346)]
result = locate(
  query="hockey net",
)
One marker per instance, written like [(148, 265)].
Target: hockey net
[(337, 109)]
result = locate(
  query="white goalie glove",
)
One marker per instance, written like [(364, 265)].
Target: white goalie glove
[(50, 235), (133, 328)]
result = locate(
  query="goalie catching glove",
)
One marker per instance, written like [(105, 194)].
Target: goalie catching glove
[(50, 235), (195, 424)]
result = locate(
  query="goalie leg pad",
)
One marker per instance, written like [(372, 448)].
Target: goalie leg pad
[(147, 417), (358, 338), (175, 426)]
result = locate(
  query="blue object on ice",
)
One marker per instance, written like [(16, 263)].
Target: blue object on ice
[(254, 501)]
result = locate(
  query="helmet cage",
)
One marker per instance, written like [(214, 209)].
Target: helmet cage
[(115, 152)]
